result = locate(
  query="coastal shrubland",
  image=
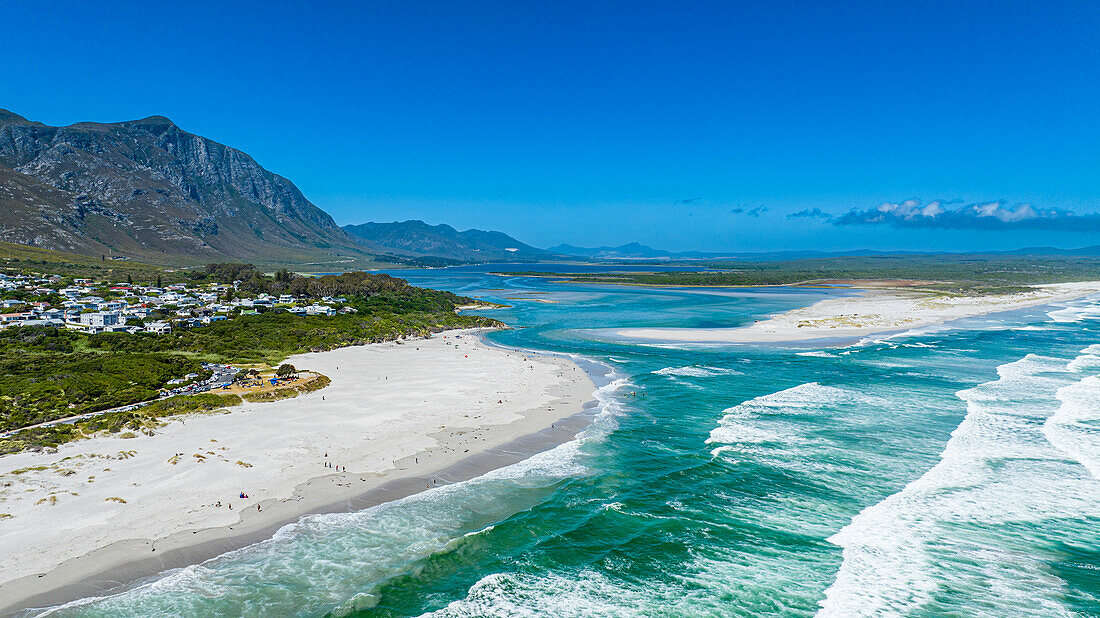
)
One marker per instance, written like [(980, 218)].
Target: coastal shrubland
[(143, 419), (45, 374), (272, 336), (54, 373), (953, 274)]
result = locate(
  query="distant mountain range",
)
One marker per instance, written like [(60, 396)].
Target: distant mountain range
[(146, 189), (150, 190), (628, 251), (416, 238), (636, 251)]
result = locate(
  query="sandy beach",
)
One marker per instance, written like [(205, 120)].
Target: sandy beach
[(393, 411), (868, 312)]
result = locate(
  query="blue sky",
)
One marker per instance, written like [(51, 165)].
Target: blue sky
[(679, 125)]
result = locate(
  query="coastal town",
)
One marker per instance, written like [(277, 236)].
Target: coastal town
[(90, 307)]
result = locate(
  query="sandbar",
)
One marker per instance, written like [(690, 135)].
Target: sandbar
[(869, 311)]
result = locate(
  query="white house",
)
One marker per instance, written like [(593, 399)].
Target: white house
[(100, 319), (160, 328)]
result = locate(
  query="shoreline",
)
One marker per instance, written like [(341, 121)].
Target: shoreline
[(123, 563), (873, 311)]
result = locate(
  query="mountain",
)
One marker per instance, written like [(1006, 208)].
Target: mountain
[(416, 238), (628, 251), (150, 190)]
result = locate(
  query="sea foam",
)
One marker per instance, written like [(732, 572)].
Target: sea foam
[(759, 420), (1075, 313), (341, 557), (697, 371), (997, 468)]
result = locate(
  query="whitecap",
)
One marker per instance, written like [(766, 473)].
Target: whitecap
[(755, 420), (337, 555), (996, 468), (697, 371), (1075, 313), (1073, 428)]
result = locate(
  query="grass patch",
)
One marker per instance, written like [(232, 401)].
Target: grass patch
[(291, 391), (145, 419)]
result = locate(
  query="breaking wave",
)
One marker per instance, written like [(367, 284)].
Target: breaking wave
[(697, 371), (999, 468)]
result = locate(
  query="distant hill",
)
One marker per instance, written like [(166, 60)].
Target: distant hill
[(150, 190), (418, 239), (628, 251), (1080, 252), (635, 251)]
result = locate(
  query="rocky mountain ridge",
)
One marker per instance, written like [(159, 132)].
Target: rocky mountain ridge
[(148, 189), (417, 238)]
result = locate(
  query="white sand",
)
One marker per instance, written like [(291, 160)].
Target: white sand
[(391, 410), (872, 311)]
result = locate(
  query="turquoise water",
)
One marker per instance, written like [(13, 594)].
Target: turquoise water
[(946, 472)]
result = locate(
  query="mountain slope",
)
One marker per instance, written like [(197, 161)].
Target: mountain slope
[(416, 238), (148, 189)]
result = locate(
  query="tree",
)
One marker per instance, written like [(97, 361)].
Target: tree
[(129, 279), (285, 370), (158, 281)]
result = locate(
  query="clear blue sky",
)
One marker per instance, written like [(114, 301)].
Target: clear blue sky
[(603, 123)]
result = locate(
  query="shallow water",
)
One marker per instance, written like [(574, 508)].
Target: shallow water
[(946, 472)]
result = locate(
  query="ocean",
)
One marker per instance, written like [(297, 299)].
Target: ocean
[(948, 471)]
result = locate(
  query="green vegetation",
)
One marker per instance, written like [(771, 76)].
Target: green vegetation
[(25, 259), (203, 402), (292, 390), (49, 373), (963, 274), (143, 419), (272, 336)]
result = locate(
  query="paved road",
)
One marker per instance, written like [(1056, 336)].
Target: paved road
[(222, 375)]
